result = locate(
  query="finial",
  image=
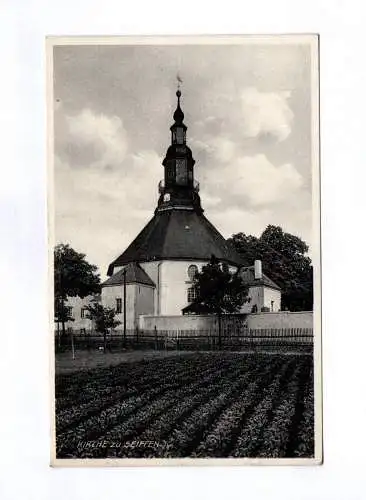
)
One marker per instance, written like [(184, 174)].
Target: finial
[(179, 80), (178, 114)]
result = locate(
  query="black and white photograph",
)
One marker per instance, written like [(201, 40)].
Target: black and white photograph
[(184, 250)]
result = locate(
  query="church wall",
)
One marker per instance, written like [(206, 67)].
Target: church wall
[(174, 283), (148, 295), (144, 301), (152, 269)]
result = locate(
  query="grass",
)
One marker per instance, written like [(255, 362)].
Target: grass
[(91, 359)]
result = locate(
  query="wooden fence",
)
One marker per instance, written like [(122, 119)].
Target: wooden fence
[(246, 339)]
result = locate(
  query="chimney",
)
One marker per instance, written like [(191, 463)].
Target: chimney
[(257, 269)]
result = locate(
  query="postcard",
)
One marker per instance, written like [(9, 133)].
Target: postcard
[(184, 250)]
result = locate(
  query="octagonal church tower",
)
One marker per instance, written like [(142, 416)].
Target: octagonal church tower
[(161, 261)]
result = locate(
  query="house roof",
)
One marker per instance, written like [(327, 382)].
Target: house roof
[(247, 273), (178, 234), (134, 274)]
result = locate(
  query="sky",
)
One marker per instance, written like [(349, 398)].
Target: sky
[(247, 109)]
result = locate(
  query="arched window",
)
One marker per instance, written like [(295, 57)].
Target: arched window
[(192, 271), (191, 294)]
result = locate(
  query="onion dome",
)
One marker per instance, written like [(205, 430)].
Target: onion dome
[(178, 113)]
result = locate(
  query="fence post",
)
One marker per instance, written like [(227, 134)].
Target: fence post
[(156, 337), (72, 343), (137, 336), (58, 336)]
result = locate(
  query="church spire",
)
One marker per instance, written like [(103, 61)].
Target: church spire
[(178, 113), (178, 128), (179, 190)]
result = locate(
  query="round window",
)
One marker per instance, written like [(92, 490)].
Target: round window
[(192, 270)]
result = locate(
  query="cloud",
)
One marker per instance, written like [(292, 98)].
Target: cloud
[(103, 194), (247, 193), (208, 201), (90, 139), (217, 148), (240, 219), (261, 182), (251, 181), (266, 113)]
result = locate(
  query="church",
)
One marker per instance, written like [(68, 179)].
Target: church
[(154, 275)]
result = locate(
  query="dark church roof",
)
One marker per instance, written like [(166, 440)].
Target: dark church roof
[(178, 235), (247, 273), (134, 274)]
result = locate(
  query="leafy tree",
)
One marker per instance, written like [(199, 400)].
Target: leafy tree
[(219, 291), (104, 320), (73, 276), (284, 261), (62, 315)]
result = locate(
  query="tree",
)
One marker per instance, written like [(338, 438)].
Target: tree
[(284, 261), (73, 276), (219, 291), (62, 312), (62, 315), (104, 320)]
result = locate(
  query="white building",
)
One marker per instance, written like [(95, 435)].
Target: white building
[(78, 313), (264, 294)]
